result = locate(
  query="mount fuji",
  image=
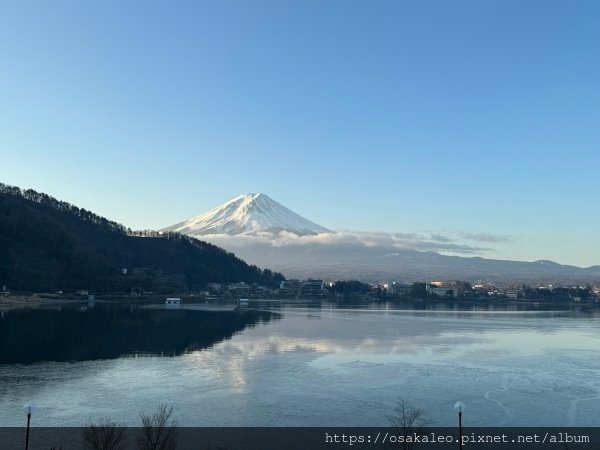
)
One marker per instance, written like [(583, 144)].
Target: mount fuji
[(248, 214)]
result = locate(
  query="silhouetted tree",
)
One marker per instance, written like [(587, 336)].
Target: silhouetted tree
[(104, 435), (408, 421), (159, 430), (418, 290)]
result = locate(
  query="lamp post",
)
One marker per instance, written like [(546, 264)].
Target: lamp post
[(460, 407), (28, 408)]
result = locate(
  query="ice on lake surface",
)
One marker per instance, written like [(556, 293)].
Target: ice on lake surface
[(339, 367)]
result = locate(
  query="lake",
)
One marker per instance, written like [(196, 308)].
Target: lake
[(301, 364)]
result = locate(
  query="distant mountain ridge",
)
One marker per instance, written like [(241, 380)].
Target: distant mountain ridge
[(248, 214), (46, 244), (371, 264)]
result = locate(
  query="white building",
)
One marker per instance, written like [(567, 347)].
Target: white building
[(238, 289), (173, 301), (290, 287), (312, 287)]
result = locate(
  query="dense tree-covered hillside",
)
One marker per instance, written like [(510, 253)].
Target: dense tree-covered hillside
[(46, 244)]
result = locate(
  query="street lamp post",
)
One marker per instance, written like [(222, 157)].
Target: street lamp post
[(28, 407), (459, 407)]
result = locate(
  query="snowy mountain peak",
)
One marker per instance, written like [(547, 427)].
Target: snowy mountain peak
[(248, 214)]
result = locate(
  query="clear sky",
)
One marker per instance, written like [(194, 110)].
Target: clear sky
[(440, 116)]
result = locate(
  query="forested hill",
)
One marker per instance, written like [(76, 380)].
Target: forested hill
[(47, 244)]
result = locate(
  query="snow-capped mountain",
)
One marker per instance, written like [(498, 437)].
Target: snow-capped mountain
[(248, 214)]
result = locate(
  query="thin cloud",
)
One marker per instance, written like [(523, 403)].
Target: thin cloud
[(487, 237), (391, 242), (441, 238)]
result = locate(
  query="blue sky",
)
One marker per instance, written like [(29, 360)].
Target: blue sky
[(398, 116)]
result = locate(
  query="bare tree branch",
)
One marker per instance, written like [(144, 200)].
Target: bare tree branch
[(408, 421), (104, 435), (159, 431)]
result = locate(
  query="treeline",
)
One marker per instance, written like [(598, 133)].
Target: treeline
[(346, 287), (58, 205), (47, 244), (557, 294)]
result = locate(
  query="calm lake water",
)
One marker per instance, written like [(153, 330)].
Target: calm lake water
[(301, 365)]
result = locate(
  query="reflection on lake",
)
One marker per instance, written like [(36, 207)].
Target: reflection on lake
[(106, 332), (310, 366)]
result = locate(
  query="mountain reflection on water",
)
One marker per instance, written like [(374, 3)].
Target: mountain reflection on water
[(113, 331)]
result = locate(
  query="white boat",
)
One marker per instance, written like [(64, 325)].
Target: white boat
[(243, 301), (172, 302)]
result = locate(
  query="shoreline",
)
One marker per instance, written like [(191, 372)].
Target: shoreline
[(12, 302), (35, 301)]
